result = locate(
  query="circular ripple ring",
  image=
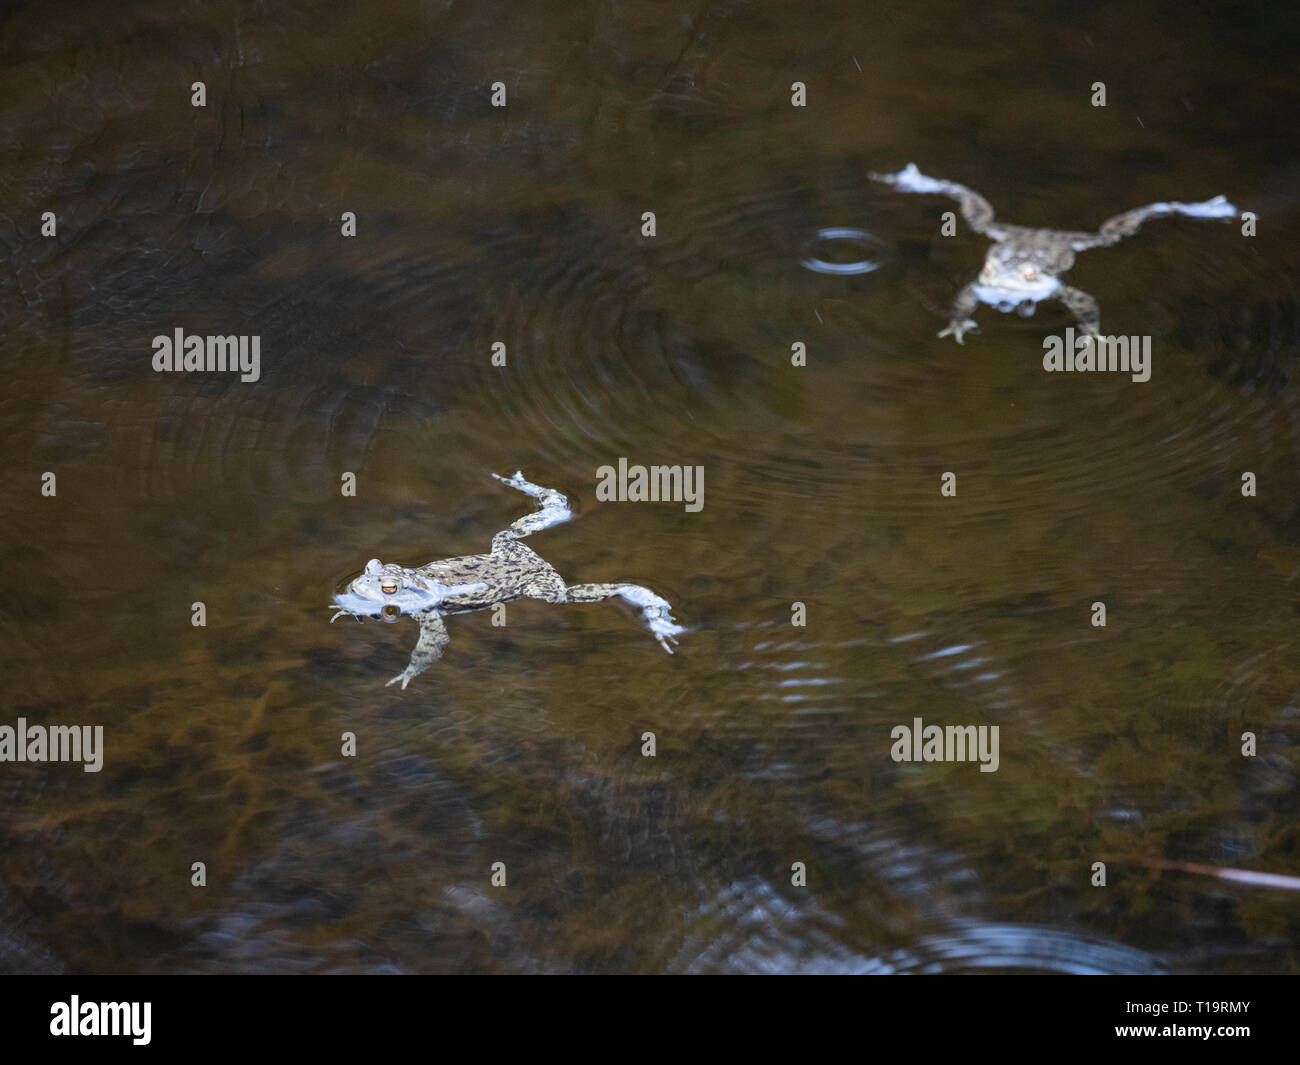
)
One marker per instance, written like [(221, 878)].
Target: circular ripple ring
[(858, 236)]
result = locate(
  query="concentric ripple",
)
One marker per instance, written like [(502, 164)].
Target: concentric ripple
[(870, 249)]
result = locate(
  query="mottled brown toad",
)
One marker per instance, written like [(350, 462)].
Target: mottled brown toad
[(472, 582), (1025, 265)]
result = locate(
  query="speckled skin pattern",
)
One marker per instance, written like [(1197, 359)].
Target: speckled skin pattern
[(472, 582), (1025, 265)]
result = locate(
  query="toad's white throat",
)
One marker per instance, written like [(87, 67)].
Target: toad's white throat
[(1035, 290)]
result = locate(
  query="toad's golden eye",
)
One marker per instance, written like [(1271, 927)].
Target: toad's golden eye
[(1030, 274), (389, 587)]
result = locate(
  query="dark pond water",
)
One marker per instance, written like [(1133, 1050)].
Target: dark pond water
[(522, 225)]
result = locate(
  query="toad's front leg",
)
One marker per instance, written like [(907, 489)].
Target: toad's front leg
[(1084, 308), (428, 649), (962, 309)]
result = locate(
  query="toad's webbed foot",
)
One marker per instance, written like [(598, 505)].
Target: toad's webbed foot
[(655, 610), (428, 649), (342, 613)]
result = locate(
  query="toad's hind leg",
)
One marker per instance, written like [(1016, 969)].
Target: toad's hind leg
[(654, 609), (977, 211), (428, 649), (553, 509), (1113, 230), (1084, 308)]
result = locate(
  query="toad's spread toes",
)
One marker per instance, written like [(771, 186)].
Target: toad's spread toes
[(958, 327)]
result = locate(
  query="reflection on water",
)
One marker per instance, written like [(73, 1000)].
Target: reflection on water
[(522, 226)]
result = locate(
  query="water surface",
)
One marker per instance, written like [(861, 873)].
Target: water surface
[(523, 225)]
